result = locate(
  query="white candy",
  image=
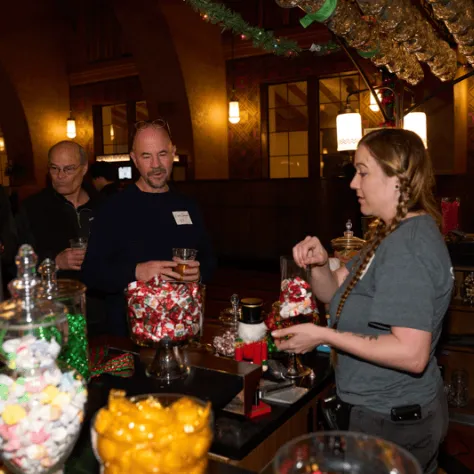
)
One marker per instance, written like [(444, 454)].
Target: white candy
[(59, 435)]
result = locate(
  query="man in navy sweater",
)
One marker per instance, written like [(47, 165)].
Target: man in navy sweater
[(134, 234)]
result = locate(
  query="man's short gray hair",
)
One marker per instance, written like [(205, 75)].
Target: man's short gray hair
[(80, 149)]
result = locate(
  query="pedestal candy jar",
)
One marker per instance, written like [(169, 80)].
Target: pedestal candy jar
[(348, 245), (72, 294), (165, 315), (41, 403)]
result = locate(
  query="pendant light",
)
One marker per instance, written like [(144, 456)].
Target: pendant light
[(234, 109), (71, 127), (416, 122), (373, 105), (349, 129)]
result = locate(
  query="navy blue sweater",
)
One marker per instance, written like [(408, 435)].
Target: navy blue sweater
[(134, 227)]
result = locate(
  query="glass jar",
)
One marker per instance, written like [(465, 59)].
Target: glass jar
[(41, 402), (72, 294), (165, 315), (348, 245)]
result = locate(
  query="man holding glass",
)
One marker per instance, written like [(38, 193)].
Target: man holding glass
[(136, 230), (56, 221)]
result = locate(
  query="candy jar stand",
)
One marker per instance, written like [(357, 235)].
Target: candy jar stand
[(289, 270), (41, 403)]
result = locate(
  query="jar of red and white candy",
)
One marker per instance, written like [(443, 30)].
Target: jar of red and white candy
[(41, 402)]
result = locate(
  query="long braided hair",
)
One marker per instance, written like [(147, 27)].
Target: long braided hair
[(399, 153)]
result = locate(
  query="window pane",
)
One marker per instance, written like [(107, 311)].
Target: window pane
[(330, 90), (328, 115), (141, 111), (297, 93), (329, 140), (278, 144), (277, 96), (282, 119), (115, 128), (279, 167), (298, 143), (298, 118), (299, 166), (272, 120)]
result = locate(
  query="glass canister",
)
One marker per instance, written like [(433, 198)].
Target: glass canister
[(41, 403), (348, 245), (72, 294)]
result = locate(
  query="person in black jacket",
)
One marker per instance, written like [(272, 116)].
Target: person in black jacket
[(136, 230), (63, 211)]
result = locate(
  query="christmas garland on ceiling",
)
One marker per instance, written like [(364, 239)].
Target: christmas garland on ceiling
[(219, 14)]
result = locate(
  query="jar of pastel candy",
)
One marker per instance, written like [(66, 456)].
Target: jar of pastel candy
[(72, 294), (41, 401)]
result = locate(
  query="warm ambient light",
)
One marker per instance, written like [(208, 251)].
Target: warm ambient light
[(113, 158), (71, 128), (373, 106), (234, 111), (349, 129), (2, 144), (416, 122), (112, 132)]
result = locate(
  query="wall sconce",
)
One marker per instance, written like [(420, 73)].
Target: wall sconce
[(112, 132), (416, 122), (71, 127), (2, 144), (349, 129)]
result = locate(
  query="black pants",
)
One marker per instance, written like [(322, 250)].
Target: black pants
[(420, 437)]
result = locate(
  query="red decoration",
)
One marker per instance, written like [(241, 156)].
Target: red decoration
[(255, 352)]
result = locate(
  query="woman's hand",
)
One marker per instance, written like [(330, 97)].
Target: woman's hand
[(310, 252), (302, 338)]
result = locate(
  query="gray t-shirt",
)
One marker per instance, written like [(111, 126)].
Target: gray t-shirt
[(407, 284)]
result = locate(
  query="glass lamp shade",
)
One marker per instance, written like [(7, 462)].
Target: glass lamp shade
[(373, 106), (234, 111), (71, 128), (416, 122), (349, 130), (2, 144)]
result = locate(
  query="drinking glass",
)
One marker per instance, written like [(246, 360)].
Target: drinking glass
[(184, 255), (78, 243)]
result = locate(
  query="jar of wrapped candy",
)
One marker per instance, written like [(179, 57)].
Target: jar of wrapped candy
[(72, 294), (41, 402), (165, 315)]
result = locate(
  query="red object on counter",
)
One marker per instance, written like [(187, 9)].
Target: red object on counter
[(259, 410), (255, 352)]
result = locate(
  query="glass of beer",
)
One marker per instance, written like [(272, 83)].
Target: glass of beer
[(78, 243), (183, 255)]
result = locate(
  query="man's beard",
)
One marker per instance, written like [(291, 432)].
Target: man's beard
[(154, 184)]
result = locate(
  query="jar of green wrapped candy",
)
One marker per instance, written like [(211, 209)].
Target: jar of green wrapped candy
[(72, 294)]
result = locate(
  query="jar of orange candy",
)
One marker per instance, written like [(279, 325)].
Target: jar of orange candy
[(155, 433)]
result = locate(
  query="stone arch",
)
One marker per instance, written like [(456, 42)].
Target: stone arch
[(15, 131)]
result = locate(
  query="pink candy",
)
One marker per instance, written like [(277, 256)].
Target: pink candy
[(39, 437)]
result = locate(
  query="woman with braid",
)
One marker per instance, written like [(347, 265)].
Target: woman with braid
[(387, 305)]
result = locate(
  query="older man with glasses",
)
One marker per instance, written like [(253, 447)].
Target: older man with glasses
[(136, 230), (62, 212)]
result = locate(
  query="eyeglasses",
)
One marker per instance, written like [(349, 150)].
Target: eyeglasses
[(158, 123), (67, 170)]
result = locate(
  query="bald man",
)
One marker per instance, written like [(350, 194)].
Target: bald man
[(63, 211), (136, 230)]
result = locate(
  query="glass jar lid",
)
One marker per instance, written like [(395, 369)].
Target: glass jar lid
[(348, 241), (52, 287), (24, 311)]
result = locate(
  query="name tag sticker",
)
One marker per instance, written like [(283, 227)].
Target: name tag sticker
[(182, 218)]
